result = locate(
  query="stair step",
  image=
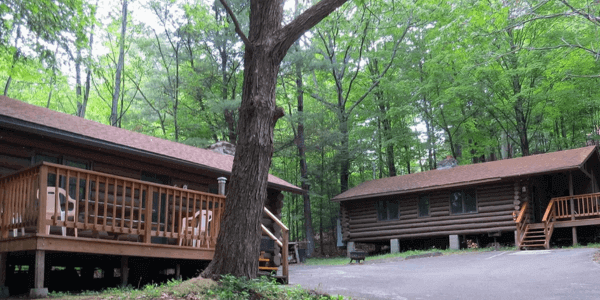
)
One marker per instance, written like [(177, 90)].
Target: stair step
[(533, 241), (268, 268), (534, 245), (263, 259)]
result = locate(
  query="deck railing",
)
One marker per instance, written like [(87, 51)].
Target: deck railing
[(576, 207), (283, 243), (521, 220), (93, 204)]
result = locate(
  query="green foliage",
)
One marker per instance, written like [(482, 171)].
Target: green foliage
[(476, 80), (229, 287)]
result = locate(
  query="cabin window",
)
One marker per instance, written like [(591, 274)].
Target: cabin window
[(423, 205), (156, 178), (463, 201), (387, 210), (47, 158), (76, 164)]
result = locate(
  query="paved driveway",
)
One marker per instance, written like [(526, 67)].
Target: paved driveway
[(542, 274)]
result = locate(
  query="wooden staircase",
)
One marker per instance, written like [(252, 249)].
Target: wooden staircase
[(534, 237), (263, 264)]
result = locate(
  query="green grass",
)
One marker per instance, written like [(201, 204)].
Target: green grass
[(229, 287), (590, 245), (345, 260)]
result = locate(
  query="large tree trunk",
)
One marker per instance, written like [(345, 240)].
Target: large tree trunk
[(115, 98), (238, 243)]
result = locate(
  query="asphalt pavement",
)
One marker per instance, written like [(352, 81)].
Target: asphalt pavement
[(540, 274)]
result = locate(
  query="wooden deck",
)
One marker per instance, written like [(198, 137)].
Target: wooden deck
[(569, 211), (52, 208), (92, 212)]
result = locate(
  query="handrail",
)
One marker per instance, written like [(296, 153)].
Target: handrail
[(549, 211), (521, 213), (548, 222), (521, 222), (272, 236), (276, 220), (283, 244)]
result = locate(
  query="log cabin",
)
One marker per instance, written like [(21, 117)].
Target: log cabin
[(526, 197), (99, 202)]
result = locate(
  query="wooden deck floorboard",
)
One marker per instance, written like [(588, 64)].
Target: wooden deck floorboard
[(102, 246)]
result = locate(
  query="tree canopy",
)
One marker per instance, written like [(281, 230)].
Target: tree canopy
[(379, 88)]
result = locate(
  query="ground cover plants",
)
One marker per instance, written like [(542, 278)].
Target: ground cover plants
[(229, 287)]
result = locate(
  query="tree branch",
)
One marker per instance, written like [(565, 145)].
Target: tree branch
[(238, 28), (288, 35)]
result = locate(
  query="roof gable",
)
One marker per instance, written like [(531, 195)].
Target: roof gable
[(470, 174), (204, 158)]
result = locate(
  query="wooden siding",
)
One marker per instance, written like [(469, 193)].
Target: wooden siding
[(495, 205), (17, 149)]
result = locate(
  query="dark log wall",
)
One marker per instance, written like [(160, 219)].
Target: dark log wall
[(17, 150), (495, 204)]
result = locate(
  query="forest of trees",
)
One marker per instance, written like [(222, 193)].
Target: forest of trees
[(379, 88)]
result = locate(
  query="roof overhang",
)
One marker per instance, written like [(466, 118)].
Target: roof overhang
[(459, 184), (17, 124)]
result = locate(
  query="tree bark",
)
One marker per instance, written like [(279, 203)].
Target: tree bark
[(310, 236), (238, 242), (88, 76), (121, 62)]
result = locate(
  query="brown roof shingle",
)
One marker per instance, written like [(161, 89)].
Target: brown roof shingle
[(470, 174), (72, 124)]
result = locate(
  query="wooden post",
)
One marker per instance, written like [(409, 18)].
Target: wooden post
[(124, 270), (3, 265), (148, 213), (574, 229), (38, 290), (3, 203), (178, 271), (43, 192), (4, 292), (284, 254)]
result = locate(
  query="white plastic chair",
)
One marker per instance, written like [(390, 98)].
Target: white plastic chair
[(51, 205), (188, 228)]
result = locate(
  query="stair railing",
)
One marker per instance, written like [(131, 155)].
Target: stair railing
[(548, 222), (283, 243), (522, 220)]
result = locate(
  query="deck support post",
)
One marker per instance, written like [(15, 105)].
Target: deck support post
[(454, 243), (124, 270), (574, 229), (350, 248), (178, 271), (394, 245), (38, 290), (4, 293)]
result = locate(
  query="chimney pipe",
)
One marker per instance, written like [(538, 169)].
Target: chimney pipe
[(222, 181)]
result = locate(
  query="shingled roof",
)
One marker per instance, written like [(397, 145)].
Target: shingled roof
[(470, 174), (18, 113)]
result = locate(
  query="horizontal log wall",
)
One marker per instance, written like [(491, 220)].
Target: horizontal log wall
[(495, 204), (17, 150)]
